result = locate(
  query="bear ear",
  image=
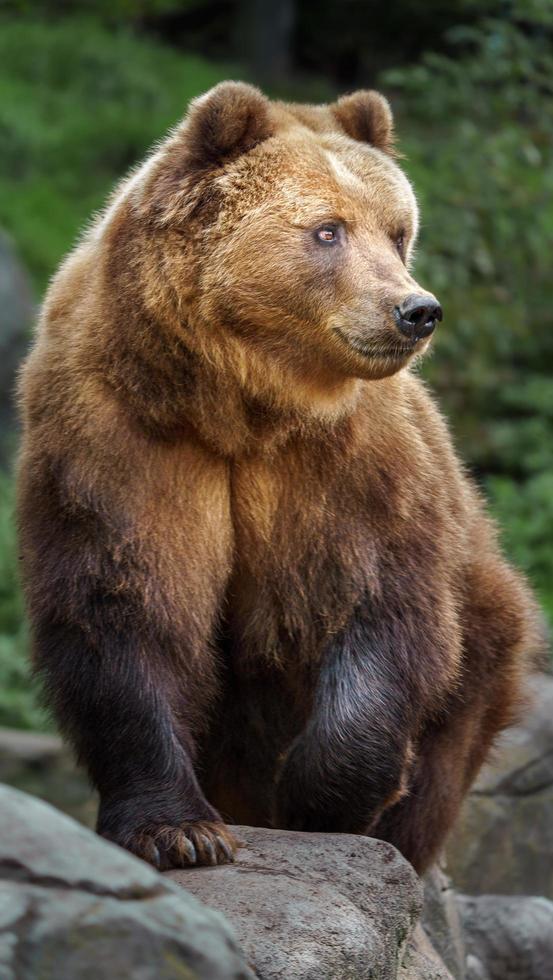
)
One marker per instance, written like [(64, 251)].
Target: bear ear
[(366, 116), (227, 121)]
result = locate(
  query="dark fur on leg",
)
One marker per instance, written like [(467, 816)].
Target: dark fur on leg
[(453, 745), (350, 762), (118, 715)]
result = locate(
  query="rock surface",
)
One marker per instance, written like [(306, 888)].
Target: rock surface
[(44, 766), (503, 843), (73, 906), (320, 907), (303, 906), (442, 922), (507, 938), (315, 907), (421, 961)]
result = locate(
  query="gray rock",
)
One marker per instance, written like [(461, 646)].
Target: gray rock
[(16, 314), (503, 842), (474, 969), (44, 766), (442, 922), (421, 961), (320, 907), (73, 906), (507, 938), (304, 906)]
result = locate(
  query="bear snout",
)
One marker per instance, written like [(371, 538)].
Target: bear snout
[(418, 315)]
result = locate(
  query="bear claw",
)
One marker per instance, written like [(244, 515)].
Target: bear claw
[(190, 844)]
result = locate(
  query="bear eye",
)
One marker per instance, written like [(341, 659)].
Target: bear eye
[(400, 243), (328, 234)]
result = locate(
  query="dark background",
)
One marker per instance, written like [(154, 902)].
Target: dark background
[(87, 87)]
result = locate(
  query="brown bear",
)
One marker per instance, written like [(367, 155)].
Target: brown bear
[(261, 587)]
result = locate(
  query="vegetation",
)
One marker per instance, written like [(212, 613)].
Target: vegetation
[(18, 704), (478, 131), (82, 97), (79, 104)]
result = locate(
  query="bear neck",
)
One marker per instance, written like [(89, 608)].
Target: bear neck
[(174, 389)]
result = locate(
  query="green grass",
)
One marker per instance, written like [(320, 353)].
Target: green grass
[(79, 105)]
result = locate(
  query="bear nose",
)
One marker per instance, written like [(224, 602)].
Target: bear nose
[(417, 315)]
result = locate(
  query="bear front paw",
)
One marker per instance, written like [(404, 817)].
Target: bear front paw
[(191, 843)]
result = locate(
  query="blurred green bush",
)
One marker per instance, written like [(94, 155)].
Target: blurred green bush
[(80, 102), (478, 132), (18, 703)]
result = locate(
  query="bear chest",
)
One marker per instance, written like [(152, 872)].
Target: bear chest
[(305, 555)]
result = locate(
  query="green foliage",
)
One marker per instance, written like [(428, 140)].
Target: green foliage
[(117, 11), (18, 703), (79, 105), (478, 136), (525, 511)]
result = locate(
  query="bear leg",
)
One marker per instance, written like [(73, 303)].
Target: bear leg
[(114, 704), (352, 759)]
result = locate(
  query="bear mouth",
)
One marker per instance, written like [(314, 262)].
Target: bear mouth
[(382, 351)]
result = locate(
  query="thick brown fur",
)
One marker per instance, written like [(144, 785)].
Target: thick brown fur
[(261, 586)]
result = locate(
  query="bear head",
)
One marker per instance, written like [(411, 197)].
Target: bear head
[(274, 240)]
